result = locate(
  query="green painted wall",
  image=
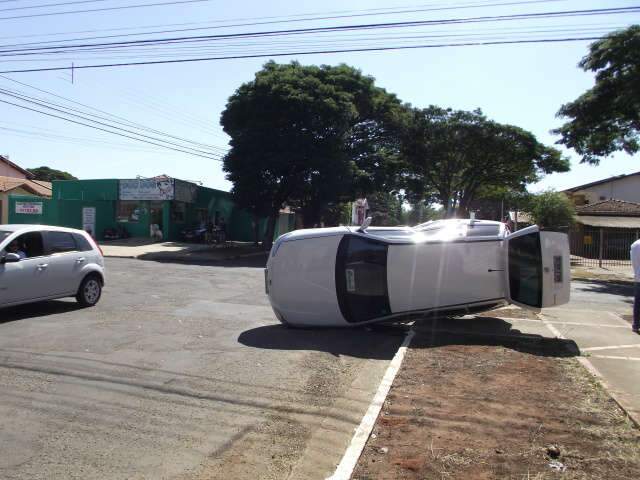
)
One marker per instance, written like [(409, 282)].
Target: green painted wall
[(70, 196), (85, 190), (48, 216)]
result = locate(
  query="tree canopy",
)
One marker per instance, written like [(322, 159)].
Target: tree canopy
[(310, 137), (46, 174), (606, 118), (551, 210), (453, 155)]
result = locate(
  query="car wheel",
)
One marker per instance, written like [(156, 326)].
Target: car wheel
[(89, 291)]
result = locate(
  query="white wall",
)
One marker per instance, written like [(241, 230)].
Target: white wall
[(627, 189)]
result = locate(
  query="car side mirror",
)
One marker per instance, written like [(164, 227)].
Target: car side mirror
[(10, 258)]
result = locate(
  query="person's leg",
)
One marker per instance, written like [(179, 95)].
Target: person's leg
[(636, 308)]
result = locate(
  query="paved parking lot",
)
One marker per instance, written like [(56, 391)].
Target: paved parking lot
[(181, 371), (598, 319)]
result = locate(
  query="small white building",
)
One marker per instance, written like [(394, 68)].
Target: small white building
[(621, 187)]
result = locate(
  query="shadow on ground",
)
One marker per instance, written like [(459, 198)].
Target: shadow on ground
[(380, 343), (488, 331), (38, 309), (609, 287), (195, 258)]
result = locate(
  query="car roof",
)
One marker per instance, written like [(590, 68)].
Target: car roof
[(30, 228)]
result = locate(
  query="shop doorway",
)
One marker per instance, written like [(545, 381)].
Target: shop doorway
[(155, 219)]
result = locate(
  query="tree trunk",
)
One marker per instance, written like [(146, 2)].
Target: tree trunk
[(256, 230), (271, 228)]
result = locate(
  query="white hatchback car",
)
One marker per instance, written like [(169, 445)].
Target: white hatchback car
[(41, 262)]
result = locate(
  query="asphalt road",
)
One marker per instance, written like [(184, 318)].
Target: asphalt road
[(181, 372)]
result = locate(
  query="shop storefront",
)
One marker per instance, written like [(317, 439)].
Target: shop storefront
[(135, 207)]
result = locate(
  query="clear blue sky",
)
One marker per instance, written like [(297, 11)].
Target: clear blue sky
[(519, 84)]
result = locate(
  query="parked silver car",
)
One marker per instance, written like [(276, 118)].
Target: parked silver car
[(40, 262)]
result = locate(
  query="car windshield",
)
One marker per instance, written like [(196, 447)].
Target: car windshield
[(4, 234)]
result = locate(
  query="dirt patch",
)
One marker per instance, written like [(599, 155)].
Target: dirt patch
[(521, 409)]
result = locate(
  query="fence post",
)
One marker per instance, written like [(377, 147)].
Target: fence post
[(601, 247)]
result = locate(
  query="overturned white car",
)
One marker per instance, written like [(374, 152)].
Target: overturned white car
[(347, 276)]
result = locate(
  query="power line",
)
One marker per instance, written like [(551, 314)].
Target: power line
[(51, 5), (330, 29), (313, 17), (47, 105), (123, 121), (317, 52), (108, 131), (122, 7)]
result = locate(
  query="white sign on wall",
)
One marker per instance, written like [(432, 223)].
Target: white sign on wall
[(29, 208), (89, 220), (147, 189)]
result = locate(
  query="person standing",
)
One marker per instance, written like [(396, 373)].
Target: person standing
[(635, 261)]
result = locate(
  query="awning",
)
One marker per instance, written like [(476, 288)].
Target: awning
[(611, 222)]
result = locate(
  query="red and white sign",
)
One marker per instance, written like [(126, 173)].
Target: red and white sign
[(29, 208)]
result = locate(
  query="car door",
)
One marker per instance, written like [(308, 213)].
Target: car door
[(538, 273), (27, 279), (65, 261)]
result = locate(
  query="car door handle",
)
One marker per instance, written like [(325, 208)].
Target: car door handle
[(81, 260), (43, 266)]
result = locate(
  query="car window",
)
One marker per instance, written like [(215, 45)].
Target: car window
[(361, 279), (82, 243), (59, 242), (4, 234), (525, 269), (30, 244)]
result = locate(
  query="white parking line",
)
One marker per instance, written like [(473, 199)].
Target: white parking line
[(619, 399), (612, 357), (352, 455), (612, 347), (619, 319), (604, 325)]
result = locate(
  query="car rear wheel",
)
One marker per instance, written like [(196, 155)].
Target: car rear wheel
[(90, 291)]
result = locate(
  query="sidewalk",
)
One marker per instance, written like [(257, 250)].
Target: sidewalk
[(146, 249)]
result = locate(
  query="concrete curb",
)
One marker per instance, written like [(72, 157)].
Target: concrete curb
[(631, 415), (351, 456)]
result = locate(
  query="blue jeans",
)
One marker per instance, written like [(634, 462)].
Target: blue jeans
[(636, 308)]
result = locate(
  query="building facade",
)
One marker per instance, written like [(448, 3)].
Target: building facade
[(135, 206), (15, 180), (621, 187)]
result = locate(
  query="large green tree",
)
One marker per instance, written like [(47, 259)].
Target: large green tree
[(452, 155), (47, 174), (310, 137), (606, 118)]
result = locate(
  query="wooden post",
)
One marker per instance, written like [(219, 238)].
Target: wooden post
[(601, 246)]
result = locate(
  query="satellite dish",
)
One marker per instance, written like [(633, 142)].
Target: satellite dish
[(365, 224)]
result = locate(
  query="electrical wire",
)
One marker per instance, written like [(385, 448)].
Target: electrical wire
[(316, 30), (105, 9), (313, 17), (62, 109), (313, 52), (46, 5), (108, 131), (118, 119)]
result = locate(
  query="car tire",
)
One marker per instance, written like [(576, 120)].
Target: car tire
[(90, 291)]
